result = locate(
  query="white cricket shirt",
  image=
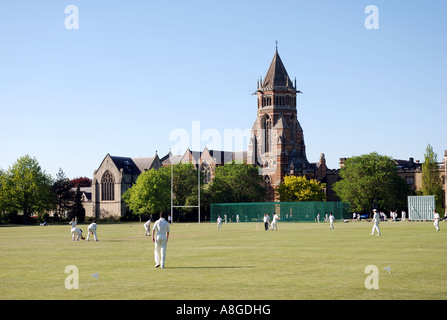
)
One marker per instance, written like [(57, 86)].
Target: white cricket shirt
[(161, 226)]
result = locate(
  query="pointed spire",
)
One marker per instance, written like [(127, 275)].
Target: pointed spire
[(277, 75)]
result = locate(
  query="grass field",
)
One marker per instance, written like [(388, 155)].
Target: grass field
[(241, 262)]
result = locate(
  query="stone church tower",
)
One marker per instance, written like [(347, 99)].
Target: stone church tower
[(277, 141)]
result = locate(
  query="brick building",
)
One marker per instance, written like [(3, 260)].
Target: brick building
[(277, 140), (276, 146)]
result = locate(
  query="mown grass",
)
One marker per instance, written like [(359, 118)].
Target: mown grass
[(241, 262)]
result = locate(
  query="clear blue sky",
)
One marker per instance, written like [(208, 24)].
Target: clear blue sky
[(135, 71)]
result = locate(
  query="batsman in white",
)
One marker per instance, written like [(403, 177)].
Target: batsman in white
[(375, 221), (161, 229), (91, 229)]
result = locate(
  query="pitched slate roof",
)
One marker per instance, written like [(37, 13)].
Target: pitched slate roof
[(133, 166), (407, 164), (127, 164), (175, 158), (277, 77), (144, 163)]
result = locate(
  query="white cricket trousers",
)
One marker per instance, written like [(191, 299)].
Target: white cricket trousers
[(436, 224), (93, 232), (160, 252), (375, 227)]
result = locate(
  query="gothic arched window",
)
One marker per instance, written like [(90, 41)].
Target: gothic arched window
[(267, 131), (107, 187), (207, 172)]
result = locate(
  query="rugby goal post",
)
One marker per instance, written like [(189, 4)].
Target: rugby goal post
[(171, 160)]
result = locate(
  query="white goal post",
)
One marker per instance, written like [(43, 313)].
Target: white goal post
[(172, 189)]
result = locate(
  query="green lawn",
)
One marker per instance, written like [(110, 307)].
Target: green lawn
[(242, 262)]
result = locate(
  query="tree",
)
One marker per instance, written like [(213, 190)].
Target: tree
[(151, 193), (76, 208), (371, 181), (4, 203), (185, 183), (234, 183), (295, 188), (27, 187), (62, 188), (82, 182), (431, 179)]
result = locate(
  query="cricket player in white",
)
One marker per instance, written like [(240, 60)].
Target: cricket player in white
[(436, 220), (376, 219), (162, 229), (92, 229), (76, 233), (331, 221), (147, 226), (73, 222), (219, 223), (274, 221)]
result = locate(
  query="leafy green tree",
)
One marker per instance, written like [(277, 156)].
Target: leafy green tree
[(205, 198), (298, 188), (3, 199), (151, 193), (371, 181), (234, 183), (185, 183), (431, 179), (27, 187)]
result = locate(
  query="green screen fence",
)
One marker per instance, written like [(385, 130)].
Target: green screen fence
[(286, 211)]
